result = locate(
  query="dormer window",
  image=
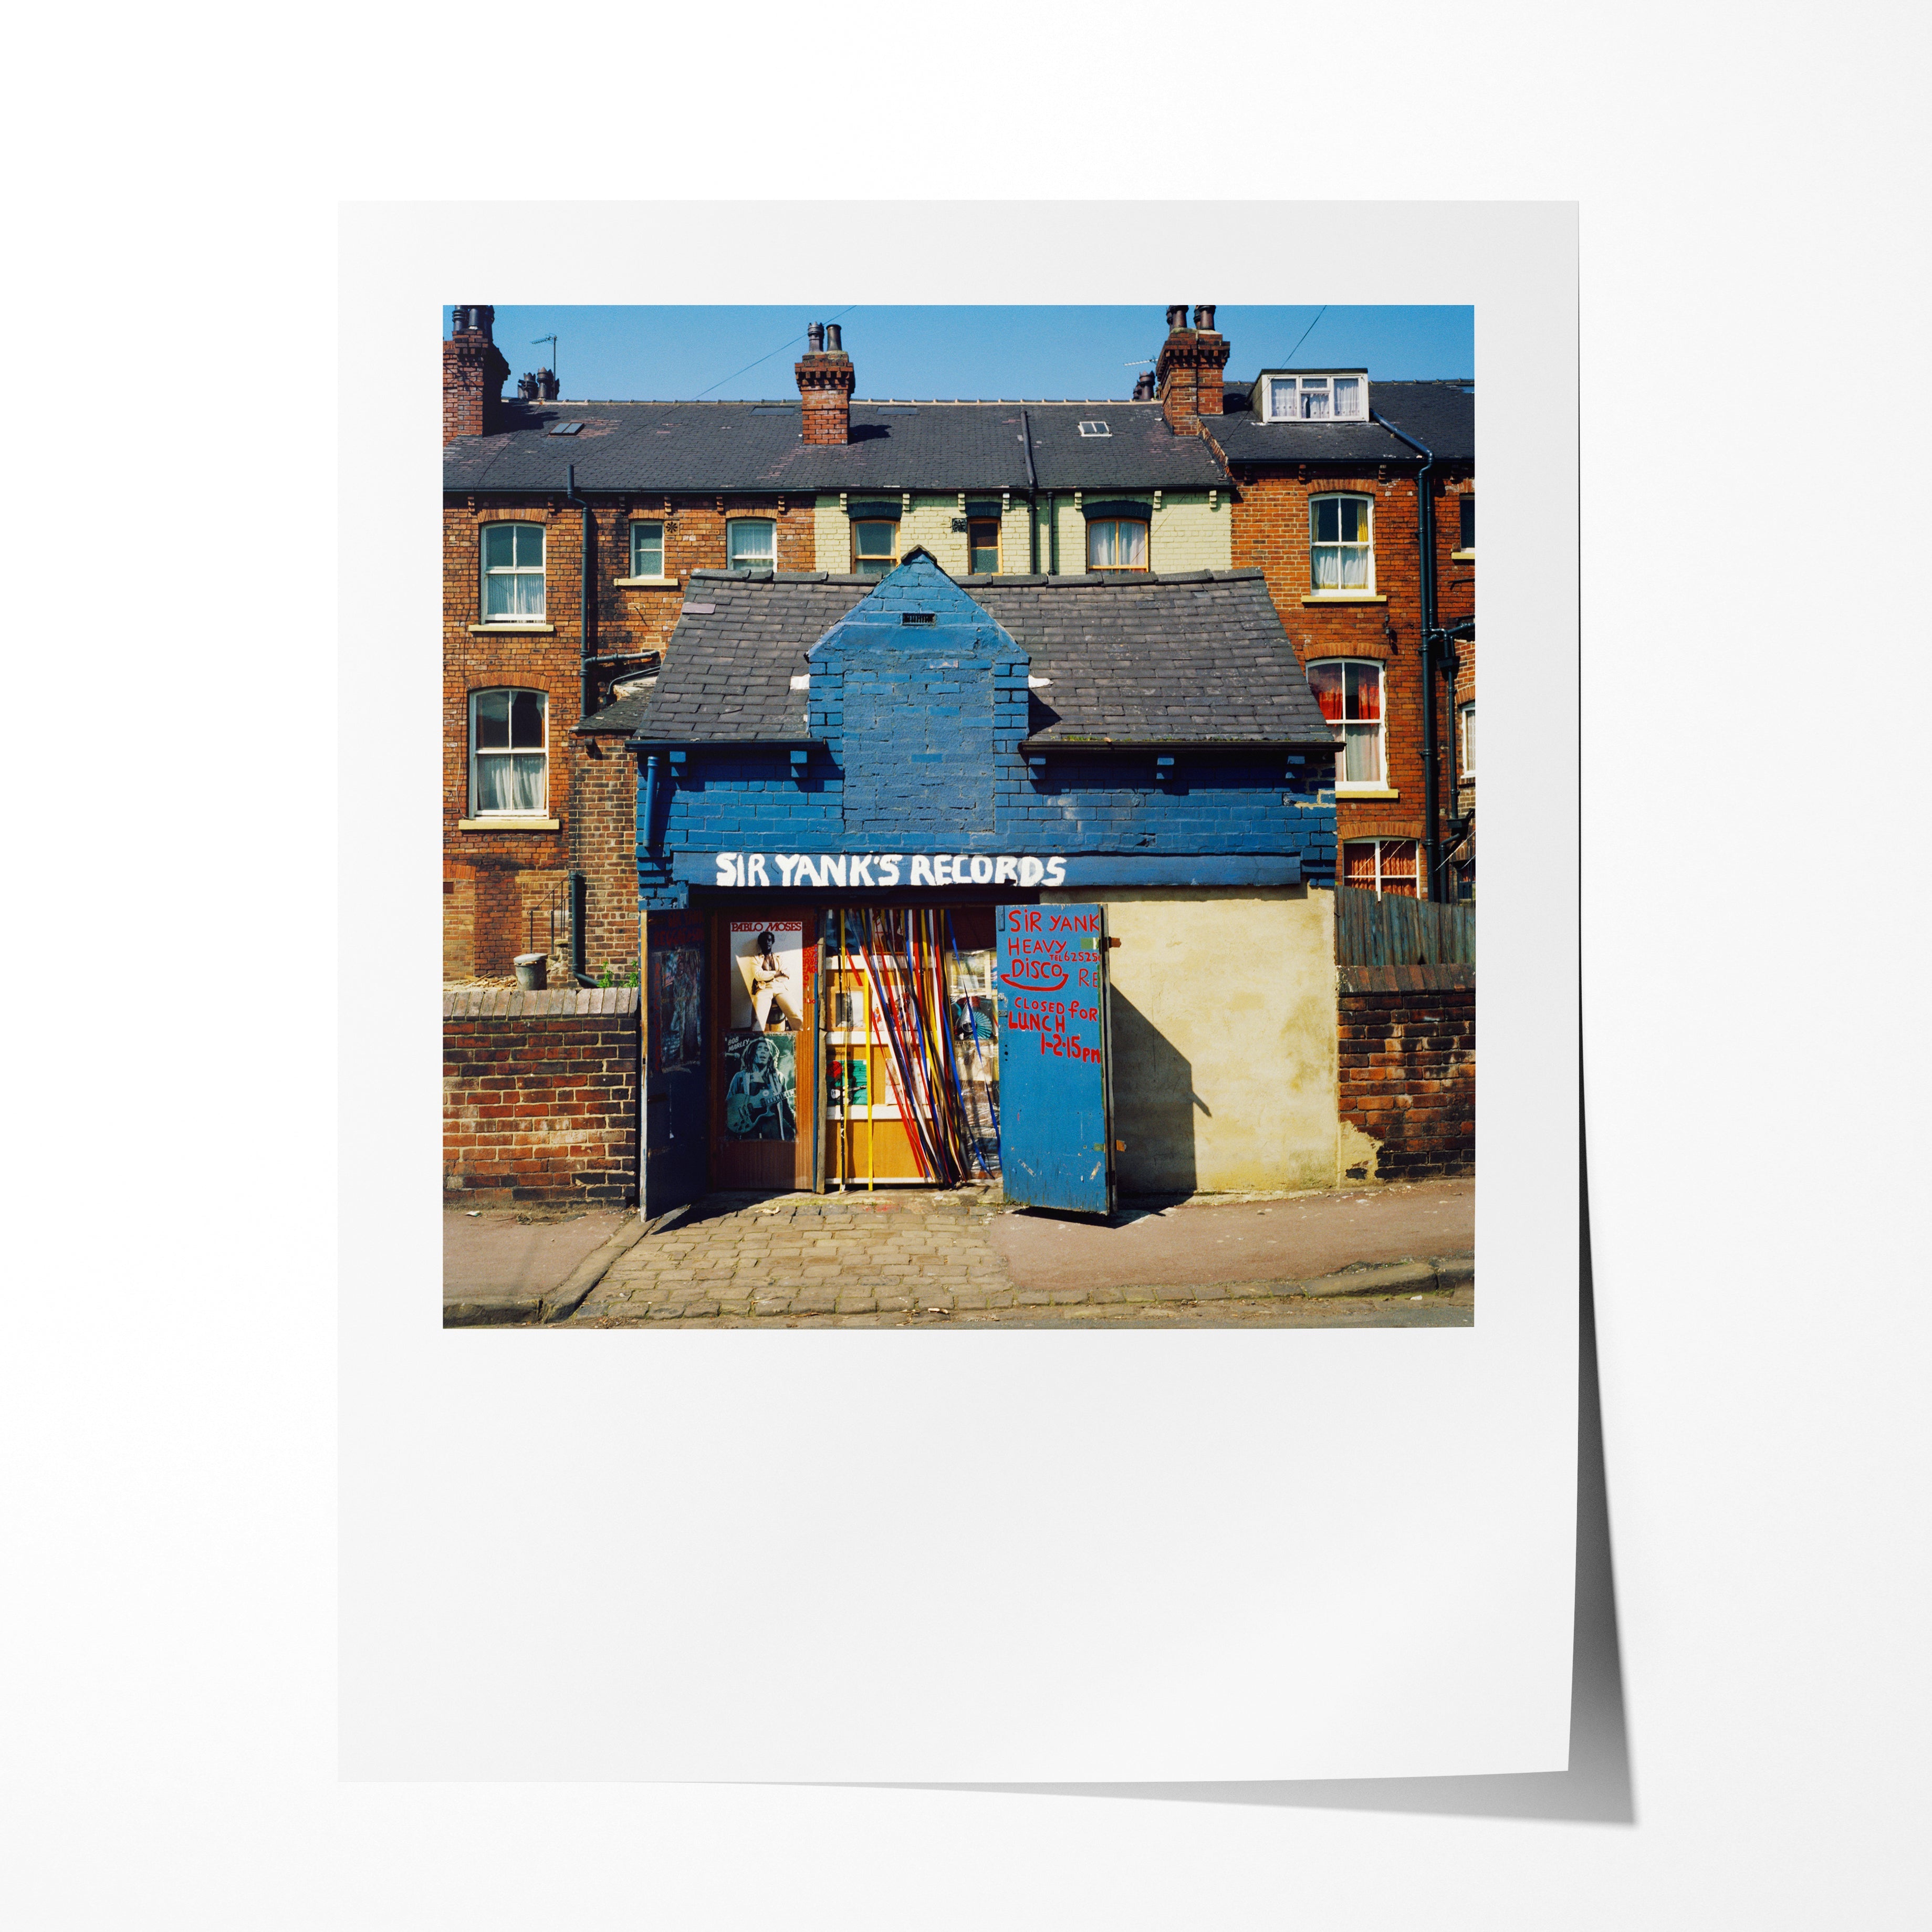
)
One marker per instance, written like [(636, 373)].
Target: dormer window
[(1330, 398)]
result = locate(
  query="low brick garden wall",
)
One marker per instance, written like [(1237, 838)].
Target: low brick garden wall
[(540, 1095), (1407, 1067)]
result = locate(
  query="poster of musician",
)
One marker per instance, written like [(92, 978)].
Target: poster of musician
[(767, 975)]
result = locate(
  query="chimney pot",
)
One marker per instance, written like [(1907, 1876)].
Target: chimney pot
[(547, 384), (1187, 372), (826, 380), (474, 372)]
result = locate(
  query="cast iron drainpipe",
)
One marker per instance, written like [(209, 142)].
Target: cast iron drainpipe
[(586, 648), (1425, 537), (584, 637), (1033, 496)]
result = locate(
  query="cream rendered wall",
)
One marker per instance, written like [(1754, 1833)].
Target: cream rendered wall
[(1015, 548), (927, 523), (1184, 535), (1222, 1018), (831, 534)]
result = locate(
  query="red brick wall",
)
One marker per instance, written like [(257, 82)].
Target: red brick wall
[(484, 907), (603, 847), (1269, 533), (1456, 593), (487, 876), (540, 1095), (1407, 1067)]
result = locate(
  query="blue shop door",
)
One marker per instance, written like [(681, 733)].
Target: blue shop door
[(1056, 1085), (676, 1085)]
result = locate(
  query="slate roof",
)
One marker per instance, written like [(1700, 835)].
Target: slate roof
[(688, 447), (1440, 415), (1193, 658)]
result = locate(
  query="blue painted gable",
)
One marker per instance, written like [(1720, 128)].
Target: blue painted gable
[(920, 696)]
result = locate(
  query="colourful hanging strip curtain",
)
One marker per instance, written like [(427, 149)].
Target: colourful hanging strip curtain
[(904, 961)]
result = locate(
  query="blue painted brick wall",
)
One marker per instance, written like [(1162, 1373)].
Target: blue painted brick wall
[(922, 728)]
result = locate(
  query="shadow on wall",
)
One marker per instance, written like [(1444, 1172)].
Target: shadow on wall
[(1155, 1104)]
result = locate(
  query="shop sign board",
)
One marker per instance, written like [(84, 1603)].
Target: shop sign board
[(850, 869), (1056, 1110)]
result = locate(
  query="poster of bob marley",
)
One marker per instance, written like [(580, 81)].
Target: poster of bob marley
[(767, 1000)]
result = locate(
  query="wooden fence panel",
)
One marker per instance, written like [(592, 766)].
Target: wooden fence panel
[(1390, 931)]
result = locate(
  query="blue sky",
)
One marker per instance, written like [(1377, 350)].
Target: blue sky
[(612, 353)]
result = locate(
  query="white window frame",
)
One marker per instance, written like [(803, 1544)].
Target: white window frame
[(485, 571), (1301, 387), (1345, 787), (1147, 541), (1094, 426), (1465, 727), (1363, 589), (476, 809), (647, 524), (892, 561), (1413, 878), (738, 522)]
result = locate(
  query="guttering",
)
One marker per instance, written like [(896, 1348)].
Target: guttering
[(722, 744), (1037, 744), (1033, 496), (1425, 539), (586, 645)]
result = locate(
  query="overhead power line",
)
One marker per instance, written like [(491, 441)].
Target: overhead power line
[(1306, 333), (767, 356)]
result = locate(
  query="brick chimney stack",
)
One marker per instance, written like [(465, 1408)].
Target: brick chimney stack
[(473, 373), (1187, 373), (825, 380)]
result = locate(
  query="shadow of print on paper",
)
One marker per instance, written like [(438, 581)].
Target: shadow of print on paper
[(1597, 1788)]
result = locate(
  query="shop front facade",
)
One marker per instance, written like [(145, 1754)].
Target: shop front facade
[(1025, 880)]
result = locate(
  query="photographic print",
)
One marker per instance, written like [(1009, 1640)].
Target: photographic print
[(1019, 831)]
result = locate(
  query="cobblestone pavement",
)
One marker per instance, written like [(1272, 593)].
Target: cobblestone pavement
[(913, 1258)]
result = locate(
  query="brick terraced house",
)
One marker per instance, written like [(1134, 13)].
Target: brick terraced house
[(1331, 471)]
